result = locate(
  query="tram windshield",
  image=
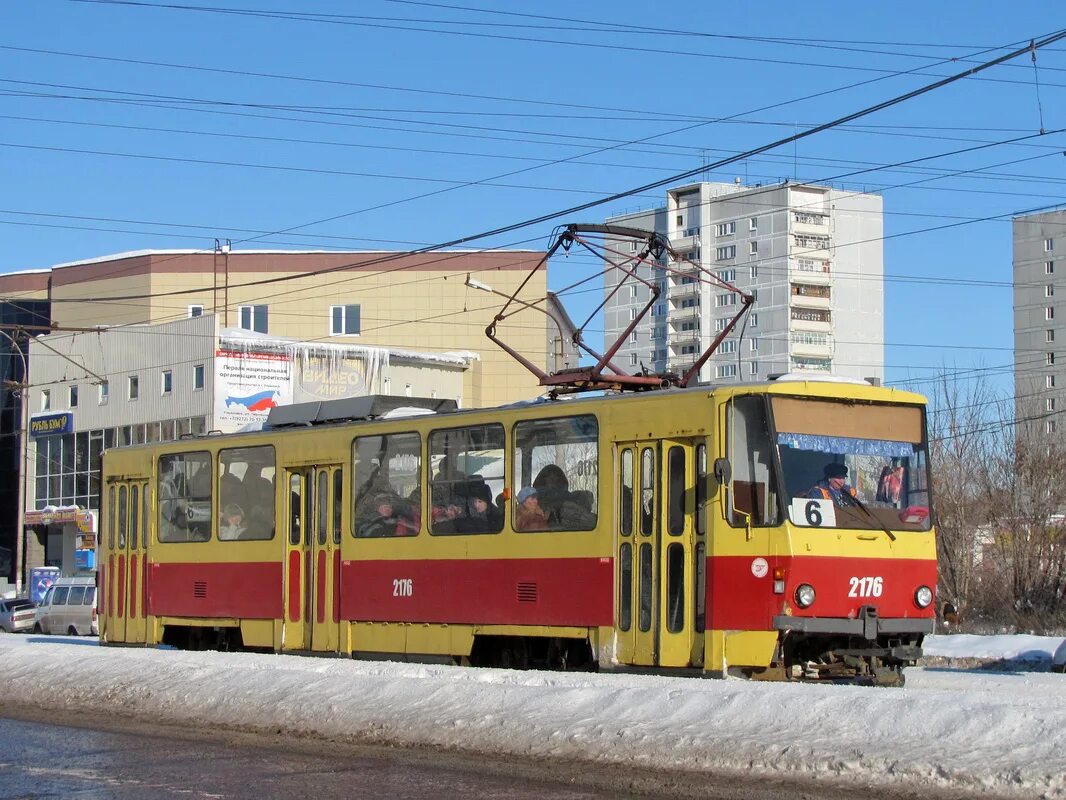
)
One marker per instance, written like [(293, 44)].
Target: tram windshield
[(852, 465)]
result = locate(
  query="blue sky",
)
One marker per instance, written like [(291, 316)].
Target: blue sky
[(374, 115)]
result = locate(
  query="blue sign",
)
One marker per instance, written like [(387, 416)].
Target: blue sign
[(84, 559), (41, 580), (52, 424)]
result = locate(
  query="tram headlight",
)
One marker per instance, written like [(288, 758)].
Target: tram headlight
[(805, 595), (923, 596)]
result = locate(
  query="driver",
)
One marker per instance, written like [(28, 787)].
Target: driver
[(833, 486)]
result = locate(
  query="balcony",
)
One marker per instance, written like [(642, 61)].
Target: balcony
[(809, 343), (680, 290), (678, 314), (681, 364), (689, 264), (808, 301), (810, 246), (810, 270), (682, 338), (688, 239), (809, 319), (808, 223)]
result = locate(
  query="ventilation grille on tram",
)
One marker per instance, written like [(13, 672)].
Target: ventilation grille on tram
[(199, 589), (527, 592)]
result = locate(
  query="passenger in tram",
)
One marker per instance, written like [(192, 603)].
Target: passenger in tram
[(528, 514), (232, 525), (382, 519), (444, 511), (481, 514), (409, 519), (564, 510), (833, 486), (259, 496)]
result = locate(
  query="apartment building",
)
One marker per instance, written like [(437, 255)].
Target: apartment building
[(811, 256), (1039, 253)]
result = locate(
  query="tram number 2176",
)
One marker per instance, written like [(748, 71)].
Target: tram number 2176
[(402, 587), (866, 587)]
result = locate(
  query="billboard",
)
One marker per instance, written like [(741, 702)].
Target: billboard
[(247, 386)]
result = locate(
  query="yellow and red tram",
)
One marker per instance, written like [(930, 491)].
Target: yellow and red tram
[(685, 529)]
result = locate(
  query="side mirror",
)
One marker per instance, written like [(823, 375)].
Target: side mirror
[(723, 471)]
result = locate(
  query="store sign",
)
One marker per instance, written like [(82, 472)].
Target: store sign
[(84, 520), (52, 424)]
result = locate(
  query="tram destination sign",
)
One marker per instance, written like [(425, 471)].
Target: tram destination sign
[(52, 424)]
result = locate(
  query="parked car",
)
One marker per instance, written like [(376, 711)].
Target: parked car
[(17, 616), (1058, 661), (69, 607)]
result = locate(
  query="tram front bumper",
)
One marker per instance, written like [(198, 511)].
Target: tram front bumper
[(867, 625)]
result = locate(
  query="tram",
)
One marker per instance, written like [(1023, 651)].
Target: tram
[(777, 530)]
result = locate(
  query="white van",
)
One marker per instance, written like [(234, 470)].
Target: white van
[(69, 607)]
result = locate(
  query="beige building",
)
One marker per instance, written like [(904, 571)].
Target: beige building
[(187, 339)]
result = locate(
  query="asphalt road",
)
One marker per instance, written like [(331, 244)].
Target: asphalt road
[(46, 754)]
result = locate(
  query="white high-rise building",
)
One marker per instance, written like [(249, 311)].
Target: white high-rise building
[(811, 255)]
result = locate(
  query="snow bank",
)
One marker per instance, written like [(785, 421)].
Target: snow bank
[(985, 734)]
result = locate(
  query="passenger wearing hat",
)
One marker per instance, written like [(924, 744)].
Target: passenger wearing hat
[(834, 486), (481, 515), (528, 515)]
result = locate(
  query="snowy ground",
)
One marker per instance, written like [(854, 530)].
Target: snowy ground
[(981, 733)]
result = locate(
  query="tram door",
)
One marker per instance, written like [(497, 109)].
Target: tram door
[(312, 558), (655, 558), (124, 574)]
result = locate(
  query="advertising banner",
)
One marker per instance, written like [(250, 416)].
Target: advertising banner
[(41, 580), (247, 386), (52, 424)]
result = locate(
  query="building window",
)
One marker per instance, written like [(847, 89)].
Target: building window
[(134, 387), (1049, 381), (719, 325), (633, 337), (753, 345), (1049, 313), (1049, 404), (73, 396), (754, 296), (727, 275), (168, 381), (46, 399), (724, 253), (754, 272), (754, 323), (632, 359), (345, 320), (728, 346), (753, 248), (632, 314), (1050, 335), (1049, 291), (103, 393), (633, 292), (753, 224), (1050, 426), (725, 300), (253, 318), (1049, 267), (726, 371), (1049, 245), (198, 377), (680, 220), (1050, 359), (196, 311), (725, 228), (753, 368)]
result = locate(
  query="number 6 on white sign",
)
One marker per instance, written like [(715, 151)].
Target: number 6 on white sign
[(812, 512)]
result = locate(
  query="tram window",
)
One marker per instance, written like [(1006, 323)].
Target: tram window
[(338, 493), (388, 495), (135, 516), (701, 489), (123, 519), (752, 494), (322, 508), (644, 616), (145, 514), (111, 514), (700, 561), (246, 493), (295, 507), (467, 468), (647, 491), (185, 497), (625, 497), (675, 588), (556, 474), (625, 587), (676, 485)]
